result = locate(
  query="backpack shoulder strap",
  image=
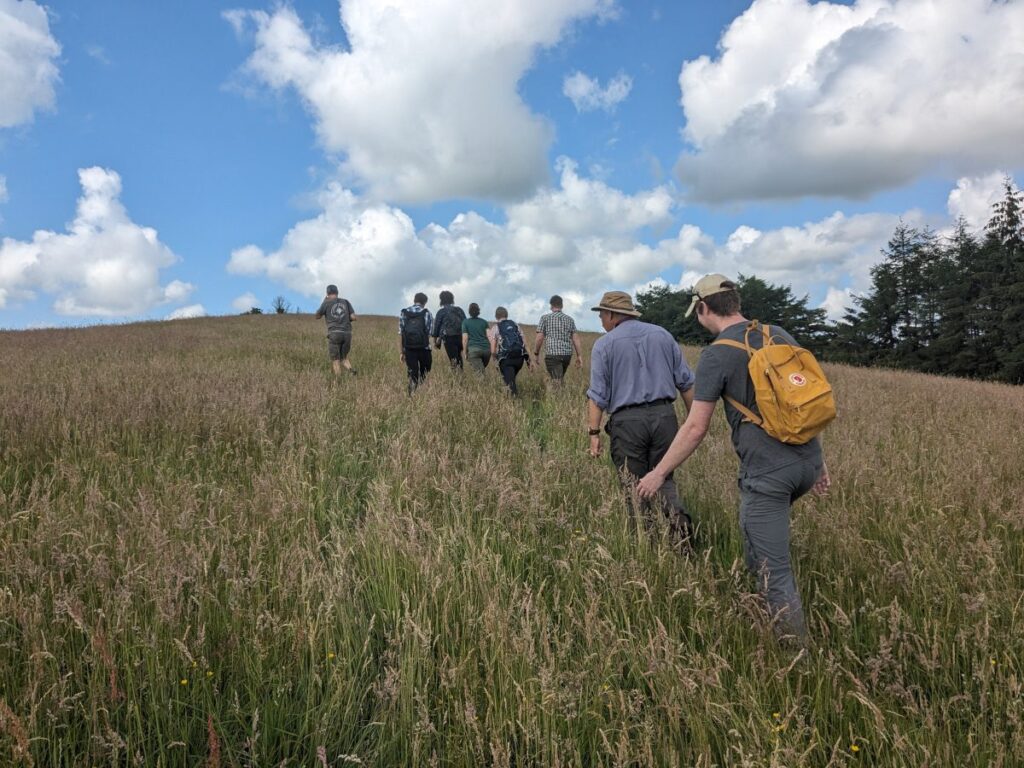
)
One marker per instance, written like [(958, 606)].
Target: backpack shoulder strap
[(730, 343), (749, 414)]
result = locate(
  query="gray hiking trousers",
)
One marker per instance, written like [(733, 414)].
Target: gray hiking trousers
[(765, 501), (640, 437)]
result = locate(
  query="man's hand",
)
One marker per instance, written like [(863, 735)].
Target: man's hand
[(649, 486), (595, 445), (823, 483), (401, 356), (437, 342), (579, 362)]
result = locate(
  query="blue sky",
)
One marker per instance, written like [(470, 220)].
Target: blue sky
[(176, 159)]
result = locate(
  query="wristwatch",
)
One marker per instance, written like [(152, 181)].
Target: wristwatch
[(594, 432)]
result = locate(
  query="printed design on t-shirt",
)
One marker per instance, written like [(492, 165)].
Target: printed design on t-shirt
[(338, 311), (797, 379)]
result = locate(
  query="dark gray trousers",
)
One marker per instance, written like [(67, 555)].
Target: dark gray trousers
[(765, 501), (640, 437)]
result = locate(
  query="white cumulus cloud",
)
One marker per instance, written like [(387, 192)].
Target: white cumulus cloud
[(192, 310), (104, 265), (245, 302), (822, 98), (423, 104), (28, 62), (836, 302), (577, 239), (587, 94), (974, 197)]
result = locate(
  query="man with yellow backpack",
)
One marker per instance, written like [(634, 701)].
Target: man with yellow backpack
[(776, 401)]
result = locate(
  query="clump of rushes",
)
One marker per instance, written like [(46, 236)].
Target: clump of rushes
[(199, 497)]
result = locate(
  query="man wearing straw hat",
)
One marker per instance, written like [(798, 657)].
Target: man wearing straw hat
[(636, 370)]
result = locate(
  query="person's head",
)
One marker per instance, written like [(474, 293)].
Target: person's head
[(556, 302), (447, 298), (500, 313), (615, 307), (420, 298), (474, 310), (714, 298), (332, 290)]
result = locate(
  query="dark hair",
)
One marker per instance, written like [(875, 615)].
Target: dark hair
[(556, 301), (724, 303), (447, 298), (420, 298), (500, 313), (474, 310)]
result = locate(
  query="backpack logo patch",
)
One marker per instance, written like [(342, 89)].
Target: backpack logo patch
[(797, 379)]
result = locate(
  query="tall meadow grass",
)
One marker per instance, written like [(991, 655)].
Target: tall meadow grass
[(212, 553)]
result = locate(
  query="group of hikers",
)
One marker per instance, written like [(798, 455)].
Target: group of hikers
[(472, 338), (775, 396)]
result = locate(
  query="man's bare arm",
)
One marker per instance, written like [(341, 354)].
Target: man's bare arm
[(683, 445)]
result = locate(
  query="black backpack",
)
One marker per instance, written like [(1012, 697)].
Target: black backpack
[(414, 330), (452, 325), (510, 340)]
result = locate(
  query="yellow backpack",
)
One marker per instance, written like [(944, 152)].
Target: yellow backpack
[(792, 393)]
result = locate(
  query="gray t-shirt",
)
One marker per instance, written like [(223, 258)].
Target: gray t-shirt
[(722, 370), (338, 314)]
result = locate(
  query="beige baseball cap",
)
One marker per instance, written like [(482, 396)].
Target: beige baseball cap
[(708, 285)]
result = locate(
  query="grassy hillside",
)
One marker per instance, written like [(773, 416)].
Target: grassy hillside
[(213, 555)]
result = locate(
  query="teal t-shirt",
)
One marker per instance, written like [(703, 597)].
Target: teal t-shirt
[(476, 328)]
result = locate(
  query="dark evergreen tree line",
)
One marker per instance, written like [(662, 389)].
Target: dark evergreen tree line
[(773, 303), (951, 305)]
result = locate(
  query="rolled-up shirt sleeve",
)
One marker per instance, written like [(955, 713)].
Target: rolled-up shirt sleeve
[(600, 380), (683, 374)]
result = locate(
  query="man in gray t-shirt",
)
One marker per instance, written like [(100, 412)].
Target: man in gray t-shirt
[(772, 475), (338, 314)]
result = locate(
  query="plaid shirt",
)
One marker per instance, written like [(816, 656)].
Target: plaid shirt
[(558, 329)]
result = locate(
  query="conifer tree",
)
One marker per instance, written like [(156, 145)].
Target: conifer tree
[(1005, 256)]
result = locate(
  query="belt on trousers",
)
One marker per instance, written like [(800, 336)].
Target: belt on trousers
[(663, 401)]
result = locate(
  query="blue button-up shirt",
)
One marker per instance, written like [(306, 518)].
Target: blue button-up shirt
[(636, 363)]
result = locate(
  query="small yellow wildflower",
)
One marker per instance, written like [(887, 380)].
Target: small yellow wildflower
[(195, 664), (330, 655), (992, 662), (776, 715), (854, 748), (209, 673), (184, 681)]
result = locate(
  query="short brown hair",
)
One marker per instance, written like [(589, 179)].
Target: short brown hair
[(724, 303)]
